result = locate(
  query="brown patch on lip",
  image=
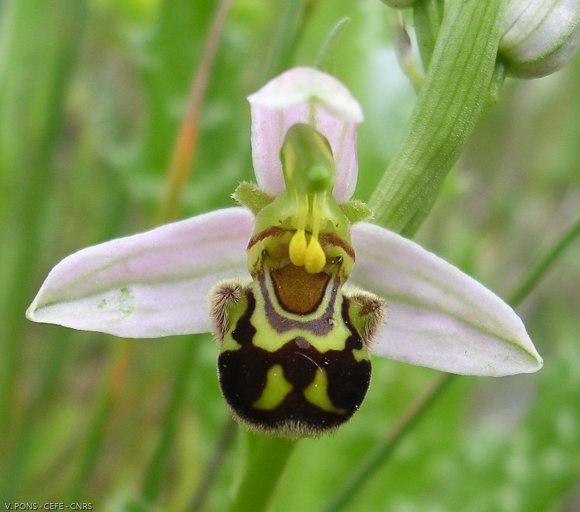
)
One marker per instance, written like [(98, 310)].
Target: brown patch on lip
[(273, 231), (332, 239), (298, 291)]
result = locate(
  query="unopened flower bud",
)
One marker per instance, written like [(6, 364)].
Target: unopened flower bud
[(539, 36)]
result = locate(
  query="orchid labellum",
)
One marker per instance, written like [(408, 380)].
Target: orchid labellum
[(298, 288)]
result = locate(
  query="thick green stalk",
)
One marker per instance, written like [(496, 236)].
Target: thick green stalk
[(455, 94), (266, 459)]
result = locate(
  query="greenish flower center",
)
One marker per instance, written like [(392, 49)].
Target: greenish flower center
[(306, 207)]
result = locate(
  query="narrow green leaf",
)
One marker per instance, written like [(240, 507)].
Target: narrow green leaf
[(326, 60), (35, 116), (154, 476)]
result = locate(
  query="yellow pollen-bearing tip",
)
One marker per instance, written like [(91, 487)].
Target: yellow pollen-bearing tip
[(297, 248), (315, 258)]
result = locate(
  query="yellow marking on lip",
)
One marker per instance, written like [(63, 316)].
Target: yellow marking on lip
[(277, 388), (267, 338), (360, 354), (317, 393)]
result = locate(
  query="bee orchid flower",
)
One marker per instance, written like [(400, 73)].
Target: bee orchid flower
[(297, 286)]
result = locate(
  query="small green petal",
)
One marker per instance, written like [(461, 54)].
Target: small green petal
[(251, 196), (356, 211)]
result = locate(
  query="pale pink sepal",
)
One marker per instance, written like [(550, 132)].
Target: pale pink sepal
[(437, 316), (148, 285), (304, 95)]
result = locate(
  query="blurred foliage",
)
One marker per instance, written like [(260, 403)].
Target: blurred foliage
[(91, 96)]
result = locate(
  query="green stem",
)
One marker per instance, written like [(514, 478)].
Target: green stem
[(23, 446), (290, 34), (212, 468), (545, 263), (326, 59), (108, 396), (90, 448), (385, 449), (265, 463), (186, 141), (454, 96), (427, 17), (154, 476)]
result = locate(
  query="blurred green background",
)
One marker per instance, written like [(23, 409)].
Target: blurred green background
[(92, 93)]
